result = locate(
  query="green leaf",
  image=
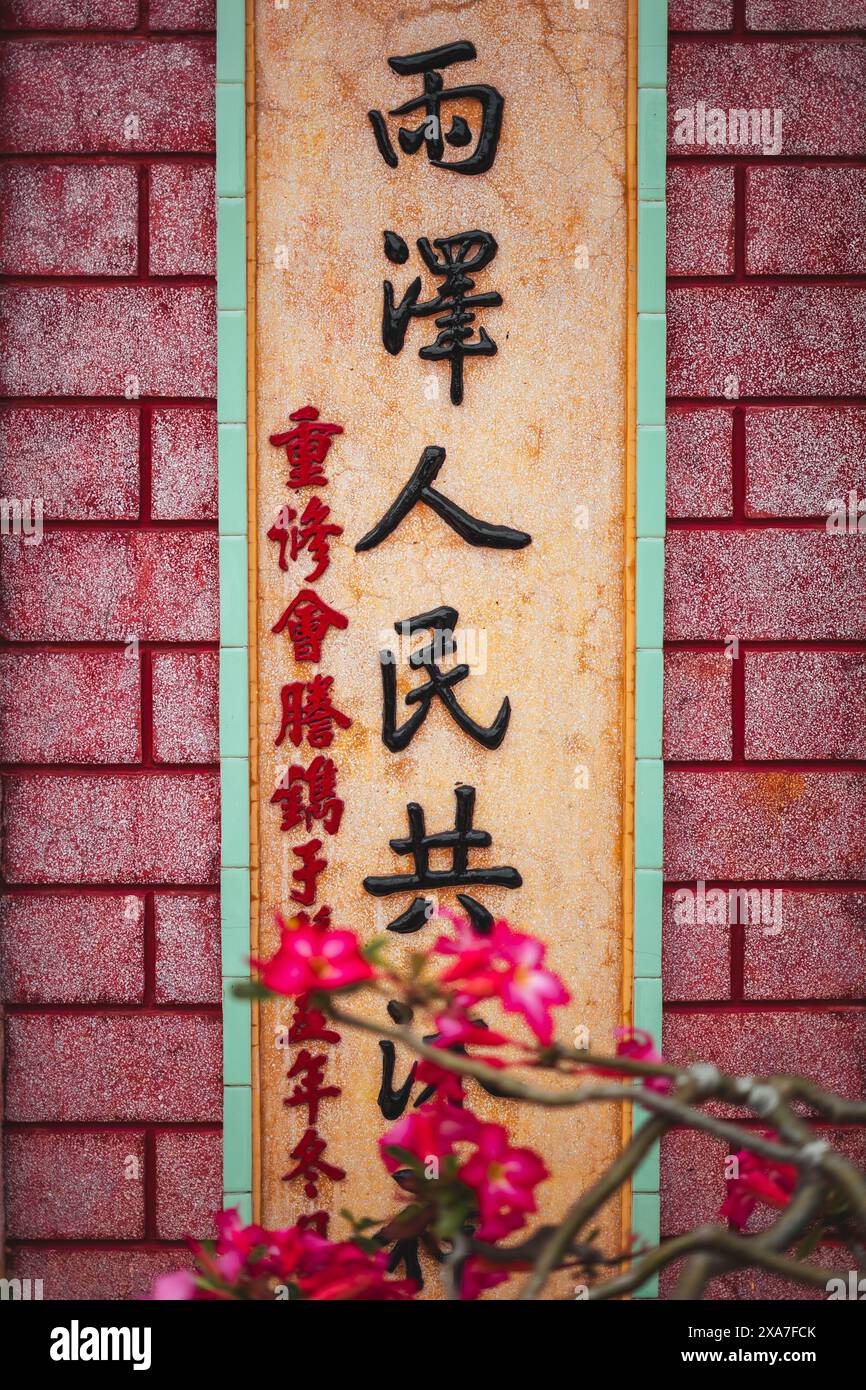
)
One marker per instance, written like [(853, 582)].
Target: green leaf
[(253, 989), (403, 1156)]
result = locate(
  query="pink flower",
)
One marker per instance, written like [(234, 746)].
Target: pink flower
[(477, 1275), (505, 965), (503, 1180), (430, 1132), (529, 990), (245, 1262), (452, 1030), (634, 1042), (351, 1275), (180, 1285), (310, 959), (758, 1179)]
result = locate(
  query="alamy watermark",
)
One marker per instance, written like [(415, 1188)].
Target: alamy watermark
[(22, 516), (726, 907), (736, 128)]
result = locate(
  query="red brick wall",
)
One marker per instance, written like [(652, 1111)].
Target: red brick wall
[(765, 783), (109, 918)]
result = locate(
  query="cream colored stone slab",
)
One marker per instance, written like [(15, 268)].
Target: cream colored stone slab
[(539, 437)]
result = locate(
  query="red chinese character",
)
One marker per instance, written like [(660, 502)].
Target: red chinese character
[(317, 1221), (309, 871), (312, 534), (306, 447), (310, 1090), (307, 705), (310, 1025), (308, 620), (319, 781), (308, 1151)]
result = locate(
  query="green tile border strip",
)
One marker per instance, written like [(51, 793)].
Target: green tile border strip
[(234, 626), (234, 649), (649, 598)]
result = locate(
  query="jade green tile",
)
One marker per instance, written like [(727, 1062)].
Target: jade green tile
[(651, 364), (651, 139), (648, 1007), (231, 253), (237, 1139), (234, 617), (649, 599), (234, 909), (651, 263), (235, 812), (231, 365), (649, 683), (237, 1031), (651, 444), (645, 1223), (646, 1174), (652, 39), (648, 786), (232, 479), (648, 922), (231, 39), (244, 1203), (230, 140), (234, 702)]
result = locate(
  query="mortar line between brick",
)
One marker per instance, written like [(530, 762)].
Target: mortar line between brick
[(150, 1230)]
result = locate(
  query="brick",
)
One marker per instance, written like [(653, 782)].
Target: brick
[(820, 952), (185, 707), (695, 955), (182, 220), (111, 586), (63, 219), (805, 14), (75, 1274), (128, 95), (805, 221), (124, 340), (68, 14), (130, 1068), (184, 465), (69, 707), (182, 14), (138, 828), (188, 1184), (764, 585), (699, 444), (72, 949), (800, 458), (697, 713), (819, 86), (805, 704), (84, 1186), (748, 1285), (829, 1047), (764, 825), (766, 340), (689, 15), (692, 1184), (700, 211), (82, 462), (187, 931)]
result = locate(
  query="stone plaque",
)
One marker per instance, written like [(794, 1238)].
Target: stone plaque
[(538, 444)]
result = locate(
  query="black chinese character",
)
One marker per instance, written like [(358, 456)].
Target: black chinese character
[(441, 621), (459, 841), (430, 131), (459, 257), (418, 489)]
